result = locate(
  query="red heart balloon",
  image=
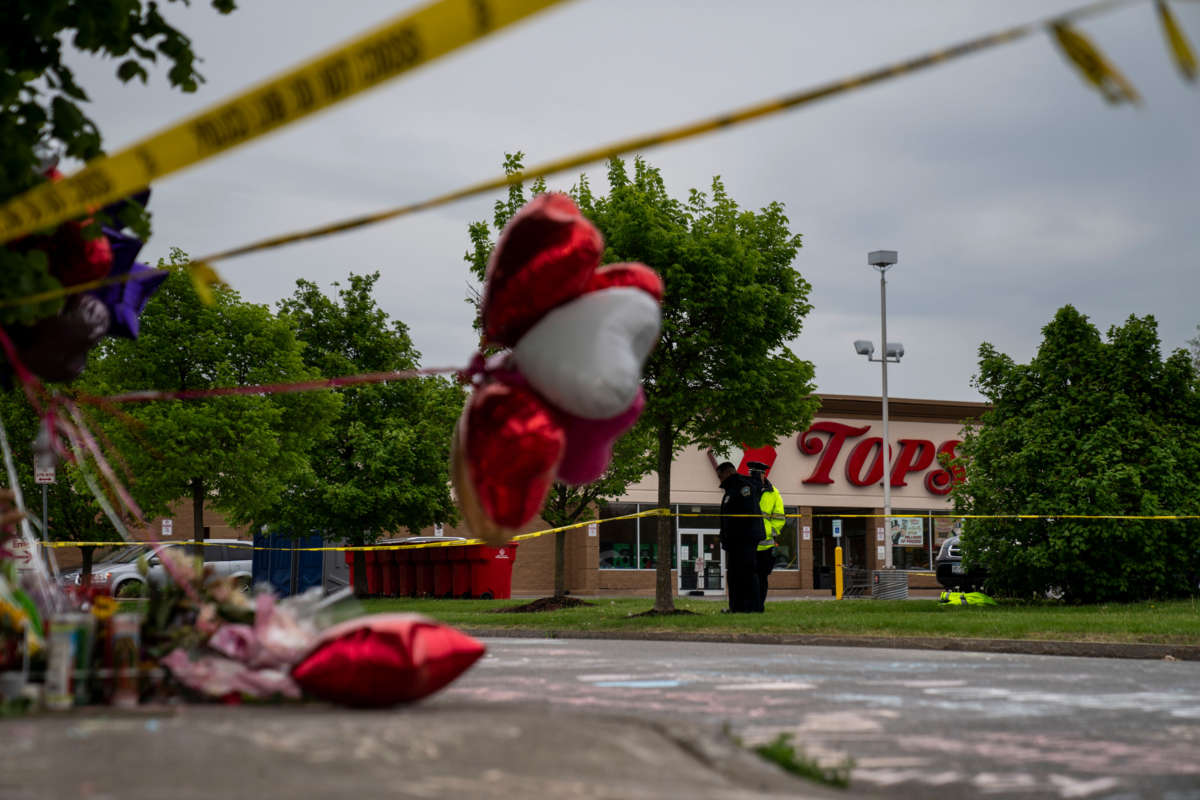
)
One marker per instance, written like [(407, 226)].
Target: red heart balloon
[(513, 446), (633, 274), (379, 660), (546, 255)]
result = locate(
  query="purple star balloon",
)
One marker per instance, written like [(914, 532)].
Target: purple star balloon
[(126, 301)]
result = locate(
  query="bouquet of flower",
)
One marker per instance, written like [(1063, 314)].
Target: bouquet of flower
[(219, 641)]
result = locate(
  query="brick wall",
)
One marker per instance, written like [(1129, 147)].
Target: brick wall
[(630, 582), (805, 561)]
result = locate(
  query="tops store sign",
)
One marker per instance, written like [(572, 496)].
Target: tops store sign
[(864, 467)]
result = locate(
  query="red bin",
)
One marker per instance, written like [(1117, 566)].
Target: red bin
[(491, 570), (423, 583), (387, 572), (443, 571), (374, 572), (406, 580), (460, 569)]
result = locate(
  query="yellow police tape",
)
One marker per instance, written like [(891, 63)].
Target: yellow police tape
[(132, 163), (391, 49), (687, 131), (652, 512)]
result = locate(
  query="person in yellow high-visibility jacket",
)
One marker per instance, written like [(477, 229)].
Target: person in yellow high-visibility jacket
[(771, 503)]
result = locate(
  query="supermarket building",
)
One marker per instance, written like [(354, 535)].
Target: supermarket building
[(829, 472)]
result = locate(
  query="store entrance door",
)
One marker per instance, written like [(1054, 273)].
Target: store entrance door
[(701, 564)]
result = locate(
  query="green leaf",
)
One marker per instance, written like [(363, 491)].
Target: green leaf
[(130, 69)]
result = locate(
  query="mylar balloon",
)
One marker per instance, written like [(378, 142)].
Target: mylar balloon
[(552, 408)]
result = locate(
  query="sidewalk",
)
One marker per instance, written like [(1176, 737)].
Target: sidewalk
[(438, 749), (1034, 647)]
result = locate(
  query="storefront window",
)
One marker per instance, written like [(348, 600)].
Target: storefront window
[(911, 538), (618, 539), (630, 543), (853, 542), (943, 528), (648, 537)]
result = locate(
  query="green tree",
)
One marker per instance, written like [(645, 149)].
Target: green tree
[(386, 466), (722, 373), (1091, 427), (75, 515), (43, 104), (242, 452)]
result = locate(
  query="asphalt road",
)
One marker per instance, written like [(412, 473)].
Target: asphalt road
[(917, 724)]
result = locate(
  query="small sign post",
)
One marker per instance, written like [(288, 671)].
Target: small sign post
[(168, 527), (44, 460), (837, 529)]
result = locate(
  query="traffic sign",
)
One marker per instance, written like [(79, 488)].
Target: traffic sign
[(43, 474), (21, 553), (168, 526), (837, 529)]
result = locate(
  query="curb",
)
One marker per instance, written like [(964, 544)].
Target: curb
[(1036, 647)]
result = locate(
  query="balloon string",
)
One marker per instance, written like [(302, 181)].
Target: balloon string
[(42, 573), (30, 385), (102, 463)]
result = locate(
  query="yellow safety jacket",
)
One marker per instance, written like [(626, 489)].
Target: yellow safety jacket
[(771, 504), (965, 599)]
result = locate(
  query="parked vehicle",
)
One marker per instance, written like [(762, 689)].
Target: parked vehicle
[(222, 557), (950, 572), (424, 539)]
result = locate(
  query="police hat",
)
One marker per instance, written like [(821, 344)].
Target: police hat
[(757, 466)]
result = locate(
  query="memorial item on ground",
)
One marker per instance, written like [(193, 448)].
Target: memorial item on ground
[(383, 659)]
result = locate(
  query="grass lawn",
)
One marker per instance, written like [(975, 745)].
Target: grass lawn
[(1174, 622)]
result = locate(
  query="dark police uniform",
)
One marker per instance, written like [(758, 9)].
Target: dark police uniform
[(740, 536)]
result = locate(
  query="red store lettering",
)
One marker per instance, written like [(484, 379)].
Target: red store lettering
[(915, 456)]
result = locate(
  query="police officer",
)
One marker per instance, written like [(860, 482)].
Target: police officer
[(741, 531), (771, 504)]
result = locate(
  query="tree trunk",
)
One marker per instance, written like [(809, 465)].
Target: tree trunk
[(664, 592), (560, 568), (85, 568), (198, 515)]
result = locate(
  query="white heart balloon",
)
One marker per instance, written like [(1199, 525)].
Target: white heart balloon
[(586, 356)]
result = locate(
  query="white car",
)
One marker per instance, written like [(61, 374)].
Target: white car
[(224, 558)]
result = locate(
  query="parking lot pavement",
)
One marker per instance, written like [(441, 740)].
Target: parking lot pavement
[(446, 749)]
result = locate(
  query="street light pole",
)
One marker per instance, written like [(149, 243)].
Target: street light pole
[(881, 260), (886, 449)]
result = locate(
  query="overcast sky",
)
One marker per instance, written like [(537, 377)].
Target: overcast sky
[(1007, 185)]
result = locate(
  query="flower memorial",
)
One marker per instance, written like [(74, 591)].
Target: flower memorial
[(203, 638)]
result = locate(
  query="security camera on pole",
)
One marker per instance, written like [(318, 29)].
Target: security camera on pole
[(892, 351)]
